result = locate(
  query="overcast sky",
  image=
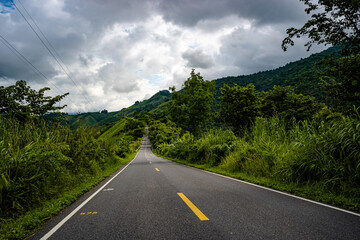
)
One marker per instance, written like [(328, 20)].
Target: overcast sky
[(121, 51)]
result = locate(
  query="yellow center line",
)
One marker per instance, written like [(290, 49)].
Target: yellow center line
[(198, 213), (157, 169)]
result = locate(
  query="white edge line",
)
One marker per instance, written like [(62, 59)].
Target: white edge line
[(287, 194), (54, 229)]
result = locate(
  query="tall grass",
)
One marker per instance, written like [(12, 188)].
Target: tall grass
[(32, 156), (39, 161), (330, 152), (326, 154), (262, 151)]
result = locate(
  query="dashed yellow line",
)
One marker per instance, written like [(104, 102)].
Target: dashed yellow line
[(198, 213), (157, 169), (88, 213)]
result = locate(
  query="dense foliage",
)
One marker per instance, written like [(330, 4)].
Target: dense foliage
[(191, 108), (160, 133), (22, 102), (39, 162), (342, 81), (335, 22), (284, 103), (239, 106)]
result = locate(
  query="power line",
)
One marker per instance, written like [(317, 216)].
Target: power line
[(52, 47), (6, 79), (48, 42), (51, 53), (27, 62), (57, 54)]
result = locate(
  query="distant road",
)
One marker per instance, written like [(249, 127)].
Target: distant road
[(153, 198)]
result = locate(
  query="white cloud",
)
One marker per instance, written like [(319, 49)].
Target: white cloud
[(119, 52)]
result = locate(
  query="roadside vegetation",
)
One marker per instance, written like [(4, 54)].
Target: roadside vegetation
[(45, 166)]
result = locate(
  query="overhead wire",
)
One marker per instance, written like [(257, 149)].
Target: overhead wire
[(28, 63), (57, 58), (6, 79)]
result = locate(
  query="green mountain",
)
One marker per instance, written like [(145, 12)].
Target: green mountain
[(104, 118), (301, 74)]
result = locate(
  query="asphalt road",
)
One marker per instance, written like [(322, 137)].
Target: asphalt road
[(153, 198)]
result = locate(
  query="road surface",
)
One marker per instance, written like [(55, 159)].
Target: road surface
[(153, 198)]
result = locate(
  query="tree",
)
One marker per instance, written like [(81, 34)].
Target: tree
[(337, 24), (239, 106), (283, 102), (22, 102), (342, 81), (191, 108)]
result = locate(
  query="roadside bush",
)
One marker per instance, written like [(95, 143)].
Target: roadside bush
[(330, 152), (317, 152), (135, 128), (214, 146), (41, 161), (160, 133), (263, 149), (209, 149)]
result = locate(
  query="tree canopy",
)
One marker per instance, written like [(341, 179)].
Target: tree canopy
[(239, 106), (334, 22), (283, 102), (22, 102), (191, 109), (342, 81)]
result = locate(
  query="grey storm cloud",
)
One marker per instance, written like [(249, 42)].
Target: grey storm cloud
[(103, 13), (85, 60), (190, 12), (198, 59)]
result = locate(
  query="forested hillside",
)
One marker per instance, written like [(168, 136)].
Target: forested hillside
[(302, 74), (101, 119)]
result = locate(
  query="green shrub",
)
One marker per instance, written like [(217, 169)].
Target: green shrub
[(330, 152), (41, 161), (160, 133)]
